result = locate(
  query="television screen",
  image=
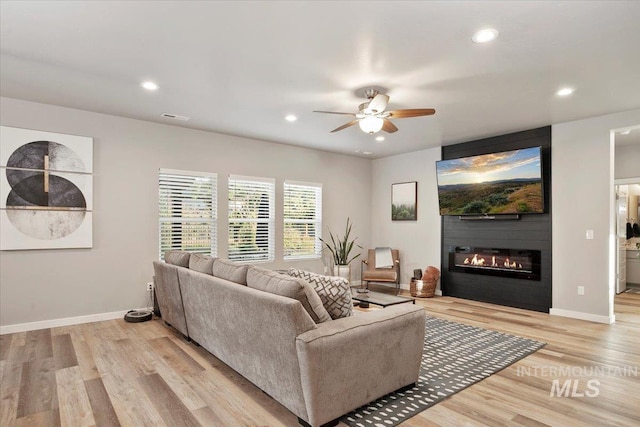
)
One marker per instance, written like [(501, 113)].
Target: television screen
[(508, 182)]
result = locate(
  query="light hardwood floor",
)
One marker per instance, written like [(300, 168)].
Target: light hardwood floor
[(115, 373)]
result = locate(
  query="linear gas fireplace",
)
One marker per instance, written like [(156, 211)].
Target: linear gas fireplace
[(516, 263)]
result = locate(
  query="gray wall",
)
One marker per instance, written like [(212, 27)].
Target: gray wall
[(582, 193), (627, 163), (418, 241), (53, 284), (583, 196)]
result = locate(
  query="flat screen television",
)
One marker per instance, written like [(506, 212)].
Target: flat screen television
[(508, 182)]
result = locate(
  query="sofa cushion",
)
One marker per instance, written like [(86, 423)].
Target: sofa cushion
[(285, 285), (230, 271), (179, 258), (201, 263), (334, 292)]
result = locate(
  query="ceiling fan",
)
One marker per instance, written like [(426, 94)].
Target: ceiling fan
[(372, 117)]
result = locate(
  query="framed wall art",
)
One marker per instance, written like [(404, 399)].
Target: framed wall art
[(404, 201), (46, 190)]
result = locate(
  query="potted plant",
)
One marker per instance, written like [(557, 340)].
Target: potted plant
[(340, 249)]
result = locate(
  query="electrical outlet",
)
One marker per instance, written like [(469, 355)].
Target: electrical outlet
[(149, 286), (580, 290), (589, 235)]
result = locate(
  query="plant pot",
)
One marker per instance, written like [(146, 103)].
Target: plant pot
[(343, 271)]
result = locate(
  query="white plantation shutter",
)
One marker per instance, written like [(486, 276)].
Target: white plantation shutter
[(302, 220), (251, 218), (187, 205)]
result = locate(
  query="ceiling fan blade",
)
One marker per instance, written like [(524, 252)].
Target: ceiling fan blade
[(389, 127), (333, 112), (377, 104), (416, 112), (351, 123)]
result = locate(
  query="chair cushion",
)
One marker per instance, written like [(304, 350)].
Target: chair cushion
[(384, 275), (291, 287), (230, 271), (334, 292), (201, 263), (179, 258)]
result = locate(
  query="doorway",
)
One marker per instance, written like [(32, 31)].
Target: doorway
[(627, 234), (627, 213)]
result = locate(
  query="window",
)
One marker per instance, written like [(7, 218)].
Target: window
[(302, 220), (187, 211), (251, 218)]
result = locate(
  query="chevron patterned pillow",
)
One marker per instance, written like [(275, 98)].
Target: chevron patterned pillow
[(334, 292)]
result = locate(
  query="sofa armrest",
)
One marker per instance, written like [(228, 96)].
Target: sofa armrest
[(349, 362), (169, 295)]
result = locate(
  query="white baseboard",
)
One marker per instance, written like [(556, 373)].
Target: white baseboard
[(582, 316), (67, 321)]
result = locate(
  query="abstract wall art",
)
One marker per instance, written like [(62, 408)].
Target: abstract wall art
[(46, 190)]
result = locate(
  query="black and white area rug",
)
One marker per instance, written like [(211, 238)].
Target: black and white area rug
[(454, 357)]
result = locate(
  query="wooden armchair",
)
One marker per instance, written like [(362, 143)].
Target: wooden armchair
[(369, 272)]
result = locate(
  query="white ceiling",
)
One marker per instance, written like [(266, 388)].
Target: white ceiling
[(239, 67)]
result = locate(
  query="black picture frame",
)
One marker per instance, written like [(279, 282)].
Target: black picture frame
[(404, 201)]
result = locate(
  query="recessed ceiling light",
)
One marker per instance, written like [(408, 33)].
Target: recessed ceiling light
[(380, 138), (149, 85), (367, 152), (565, 91), (484, 36), (290, 118)]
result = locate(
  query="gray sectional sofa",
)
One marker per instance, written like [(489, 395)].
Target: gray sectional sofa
[(270, 328)]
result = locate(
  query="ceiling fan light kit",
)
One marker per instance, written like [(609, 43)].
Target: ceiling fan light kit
[(371, 124), (372, 117)]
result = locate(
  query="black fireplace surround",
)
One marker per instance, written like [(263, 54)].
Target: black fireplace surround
[(491, 280), (517, 263)]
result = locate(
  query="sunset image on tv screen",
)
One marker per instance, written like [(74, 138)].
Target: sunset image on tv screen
[(508, 182)]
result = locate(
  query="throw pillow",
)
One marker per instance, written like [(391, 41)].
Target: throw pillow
[(179, 258), (201, 263), (287, 286), (334, 292), (230, 271)]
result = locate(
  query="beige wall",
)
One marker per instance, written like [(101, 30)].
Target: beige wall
[(418, 241), (42, 285), (583, 196)]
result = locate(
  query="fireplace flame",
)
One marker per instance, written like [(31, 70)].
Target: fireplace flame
[(493, 261), (476, 261), (482, 262)]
